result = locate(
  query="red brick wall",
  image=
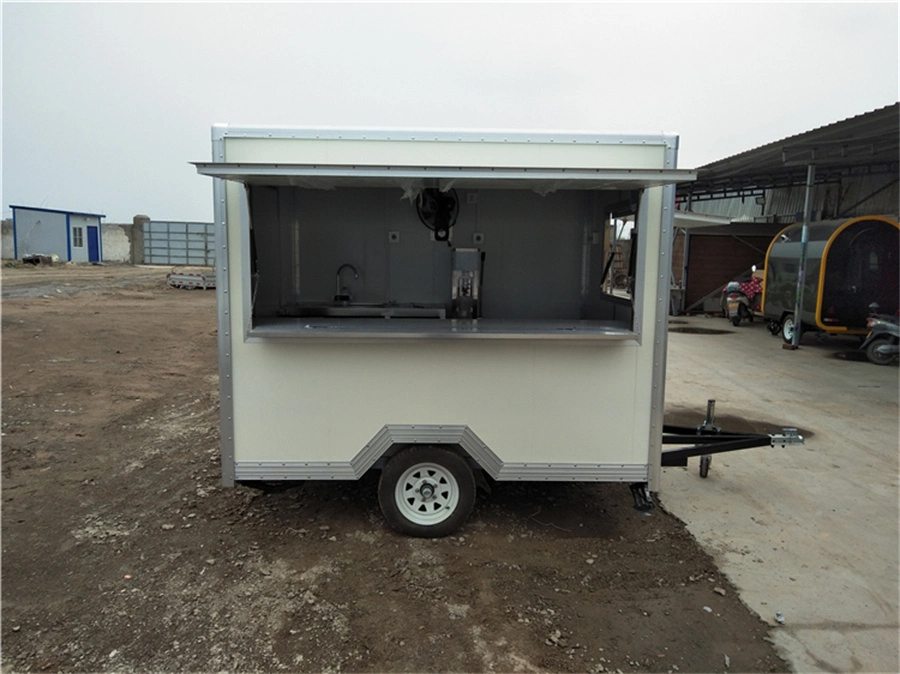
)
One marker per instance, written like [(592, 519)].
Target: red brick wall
[(714, 260)]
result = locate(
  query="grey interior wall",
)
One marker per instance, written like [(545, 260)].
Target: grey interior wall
[(534, 246), (343, 226), (539, 250), (267, 250), (41, 233), (417, 269)]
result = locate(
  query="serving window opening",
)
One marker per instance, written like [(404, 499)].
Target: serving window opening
[(452, 261)]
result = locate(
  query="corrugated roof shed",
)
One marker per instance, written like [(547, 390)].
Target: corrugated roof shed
[(868, 144)]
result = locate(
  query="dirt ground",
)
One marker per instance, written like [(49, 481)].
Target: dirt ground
[(121, 552)]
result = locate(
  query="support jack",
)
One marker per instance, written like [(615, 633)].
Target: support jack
[(643, 501)]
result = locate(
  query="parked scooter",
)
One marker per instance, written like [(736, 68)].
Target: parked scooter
[(882, 346), (739, 300)]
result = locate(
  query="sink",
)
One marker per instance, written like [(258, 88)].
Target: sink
[(362, 310)]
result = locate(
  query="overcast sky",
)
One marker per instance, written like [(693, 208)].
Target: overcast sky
[(105, 104)]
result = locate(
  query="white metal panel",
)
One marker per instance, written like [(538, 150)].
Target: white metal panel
[(528, 401), (430, 153)]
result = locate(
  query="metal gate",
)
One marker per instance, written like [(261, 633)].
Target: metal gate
[(179, 243)]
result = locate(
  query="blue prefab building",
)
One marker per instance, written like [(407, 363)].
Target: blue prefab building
[(73, 236)]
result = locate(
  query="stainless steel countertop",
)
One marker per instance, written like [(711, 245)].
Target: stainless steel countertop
[(421, 328)]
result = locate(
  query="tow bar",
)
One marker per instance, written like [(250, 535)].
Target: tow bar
[(708, 439)]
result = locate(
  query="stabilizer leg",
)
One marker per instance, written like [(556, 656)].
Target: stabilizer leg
[(643, 501)]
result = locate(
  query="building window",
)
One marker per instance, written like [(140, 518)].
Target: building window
[(78, 237)]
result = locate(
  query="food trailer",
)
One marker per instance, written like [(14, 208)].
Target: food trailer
[(431, 305), (850, 265)]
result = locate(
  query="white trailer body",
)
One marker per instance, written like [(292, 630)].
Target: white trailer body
[(392, 294)]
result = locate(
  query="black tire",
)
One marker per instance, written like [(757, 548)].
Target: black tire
[(878, 358), (736, 321), (787, 329), (705, 462), (774, 327), (426, 492)]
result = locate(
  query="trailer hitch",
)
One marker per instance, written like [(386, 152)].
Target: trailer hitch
[(788, 436), (708, 439)]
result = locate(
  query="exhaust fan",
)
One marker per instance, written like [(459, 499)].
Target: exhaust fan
[(438, 211)]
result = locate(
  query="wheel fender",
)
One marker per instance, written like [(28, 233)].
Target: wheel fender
[(393, 438)]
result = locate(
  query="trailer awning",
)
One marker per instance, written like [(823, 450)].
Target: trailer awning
[(412, 179), (691, 220)]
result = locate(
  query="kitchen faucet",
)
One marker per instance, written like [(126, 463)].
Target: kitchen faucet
[(342, 293)]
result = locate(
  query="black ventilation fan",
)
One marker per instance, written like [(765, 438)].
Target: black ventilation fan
[(438, 211)]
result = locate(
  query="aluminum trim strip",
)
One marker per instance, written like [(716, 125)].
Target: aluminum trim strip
[(399, 434), (223, 321), (374, 450), (548, 472), (572, 472), (294, 470), (660, 341)]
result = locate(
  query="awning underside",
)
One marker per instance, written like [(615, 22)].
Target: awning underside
[(413, 180)]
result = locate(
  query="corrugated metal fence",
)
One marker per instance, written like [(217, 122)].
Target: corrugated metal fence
[(179, 243)]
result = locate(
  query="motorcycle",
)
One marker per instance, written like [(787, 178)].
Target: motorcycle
[(882, 345), (738, 300)]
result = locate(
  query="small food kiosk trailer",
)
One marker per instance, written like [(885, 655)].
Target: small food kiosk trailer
[(432, 305), (851, 270)]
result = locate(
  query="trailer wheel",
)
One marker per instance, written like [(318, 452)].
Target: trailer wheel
[(705, 462), (426, 492), (787, 329), (872, 351)]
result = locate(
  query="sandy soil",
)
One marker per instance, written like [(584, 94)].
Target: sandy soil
[(122, 552)]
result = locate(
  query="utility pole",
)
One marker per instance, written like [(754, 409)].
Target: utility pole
[(801, 270)]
